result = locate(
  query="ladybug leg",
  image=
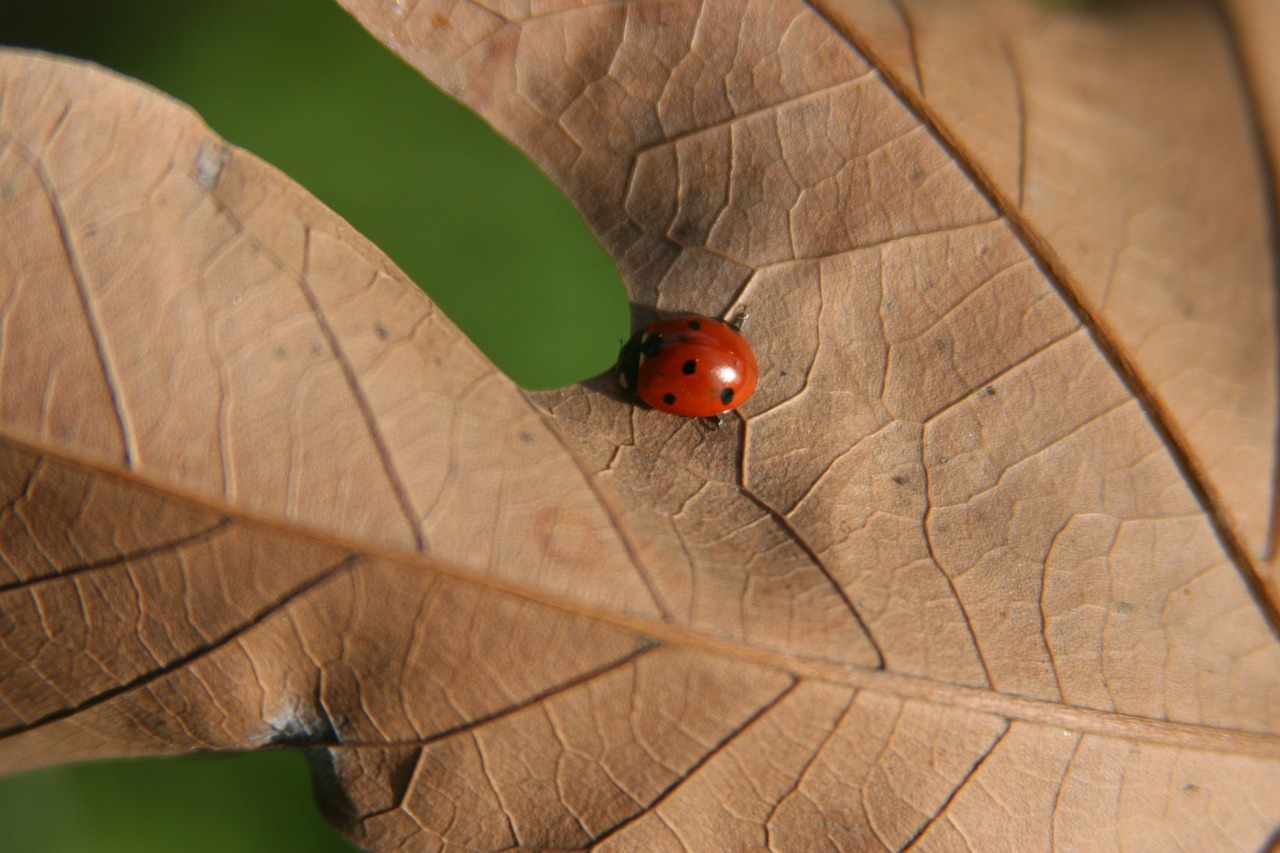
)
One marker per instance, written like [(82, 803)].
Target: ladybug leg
[(713, 422), (739, 319)]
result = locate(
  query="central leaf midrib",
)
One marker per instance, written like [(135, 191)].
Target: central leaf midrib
[(1040, 711)]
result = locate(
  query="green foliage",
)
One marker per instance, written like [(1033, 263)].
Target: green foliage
[(259, 803)]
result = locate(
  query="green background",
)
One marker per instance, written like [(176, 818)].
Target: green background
[(466, 216)]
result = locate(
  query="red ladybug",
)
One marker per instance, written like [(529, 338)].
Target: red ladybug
[(693, 366)]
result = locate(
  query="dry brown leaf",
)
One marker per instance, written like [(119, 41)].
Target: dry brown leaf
[(1256, 25), (979, 565)]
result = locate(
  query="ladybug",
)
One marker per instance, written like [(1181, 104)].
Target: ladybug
[(693, 366)]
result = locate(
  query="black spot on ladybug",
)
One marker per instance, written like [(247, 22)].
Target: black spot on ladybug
[(669, 398), (689, 367), (695, 325), (650, 346), (726, 396)]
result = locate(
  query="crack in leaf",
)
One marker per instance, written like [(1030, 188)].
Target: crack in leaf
[(715, 750), (784, 523), (973, 772), (345, 565), (176, 544), (565, 686)]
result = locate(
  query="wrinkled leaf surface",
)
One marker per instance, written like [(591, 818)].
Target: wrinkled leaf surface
[(984, 563)]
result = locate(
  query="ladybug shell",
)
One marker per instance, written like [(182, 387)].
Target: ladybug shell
[(692, 366)]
